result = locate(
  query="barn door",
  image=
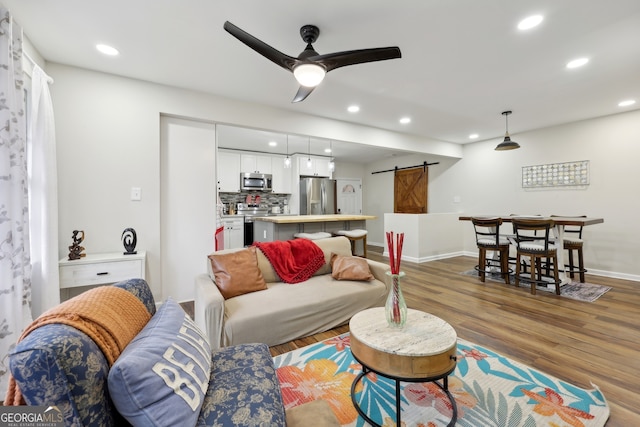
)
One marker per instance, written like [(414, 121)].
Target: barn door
[(410, 190)]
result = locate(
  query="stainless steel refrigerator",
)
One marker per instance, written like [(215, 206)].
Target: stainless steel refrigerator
[(317, 196)]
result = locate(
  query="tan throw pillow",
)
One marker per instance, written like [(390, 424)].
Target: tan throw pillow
[(350, 268), (237, 273)]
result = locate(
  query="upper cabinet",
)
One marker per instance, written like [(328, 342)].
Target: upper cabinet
[(228, 171), (255, 163), (281, 176), (319, 166)]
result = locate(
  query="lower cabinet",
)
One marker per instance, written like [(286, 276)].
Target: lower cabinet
[(233, 233)]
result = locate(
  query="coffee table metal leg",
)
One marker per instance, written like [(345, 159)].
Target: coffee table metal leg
[(355, 403), (398, 403), (444, 387)]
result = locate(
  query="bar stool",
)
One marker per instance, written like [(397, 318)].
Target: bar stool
[(533, 240), (488, 239), (354, 236), (573, 242), (312, 236)]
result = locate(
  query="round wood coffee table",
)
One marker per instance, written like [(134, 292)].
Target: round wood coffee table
[(423, 351)]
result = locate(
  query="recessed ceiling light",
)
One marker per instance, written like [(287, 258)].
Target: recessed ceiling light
[(272, 143), (577, 62), (405, 120), (327, 150), (530, 22), (627, 103), (107, 50), (353, 109), (473, 136)]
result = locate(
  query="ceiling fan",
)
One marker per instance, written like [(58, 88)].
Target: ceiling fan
[(309, 68)]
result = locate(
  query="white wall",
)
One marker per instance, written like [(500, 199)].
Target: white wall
[(611, 144), (108, 137), (378, 190), (489, 182)]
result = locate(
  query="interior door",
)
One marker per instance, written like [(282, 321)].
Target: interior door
[(349, 196), (410, 190)]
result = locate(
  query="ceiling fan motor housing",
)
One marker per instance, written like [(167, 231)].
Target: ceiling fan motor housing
[(309, 33)]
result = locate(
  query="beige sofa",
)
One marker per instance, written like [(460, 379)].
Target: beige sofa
[(284, 312)]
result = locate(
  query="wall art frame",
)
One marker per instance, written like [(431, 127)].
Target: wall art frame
[(566, 174)]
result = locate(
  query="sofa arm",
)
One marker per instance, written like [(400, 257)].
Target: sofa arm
[(379, 271), (209, 310)]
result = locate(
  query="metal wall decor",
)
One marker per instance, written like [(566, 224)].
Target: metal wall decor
[(567, 174)]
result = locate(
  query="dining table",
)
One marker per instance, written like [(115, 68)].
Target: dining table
[(560, 222)]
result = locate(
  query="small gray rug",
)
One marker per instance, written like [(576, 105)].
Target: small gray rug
[(588, 292)]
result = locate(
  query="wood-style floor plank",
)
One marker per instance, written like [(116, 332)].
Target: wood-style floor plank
[(579, 342)]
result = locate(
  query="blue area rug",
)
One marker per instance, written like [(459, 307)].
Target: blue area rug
[(588, 292), (489, 390)]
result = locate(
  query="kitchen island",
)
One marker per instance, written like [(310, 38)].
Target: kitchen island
[(283, 227)]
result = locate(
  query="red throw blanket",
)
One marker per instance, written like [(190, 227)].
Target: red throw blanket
[(293, 260)]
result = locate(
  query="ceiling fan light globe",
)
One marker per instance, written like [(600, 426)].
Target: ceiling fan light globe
[(309, 75)]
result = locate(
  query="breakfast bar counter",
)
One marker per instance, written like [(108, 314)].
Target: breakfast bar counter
[(284, 227), (291, 219)]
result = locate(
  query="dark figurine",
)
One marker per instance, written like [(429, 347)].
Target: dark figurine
[(129, 241), (75, 250)]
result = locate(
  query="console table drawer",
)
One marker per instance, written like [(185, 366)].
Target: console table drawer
[(87, 272)]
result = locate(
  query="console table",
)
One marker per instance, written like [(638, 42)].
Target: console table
[(99, 269)]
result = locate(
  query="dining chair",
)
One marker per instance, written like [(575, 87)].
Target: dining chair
[(533, 240), (512, 239), (573, 241), (488, 238)]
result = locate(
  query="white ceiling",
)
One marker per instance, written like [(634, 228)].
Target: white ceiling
[(463, 61)]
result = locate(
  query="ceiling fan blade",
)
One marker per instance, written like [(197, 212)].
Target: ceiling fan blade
[(272, 54), (340, 59), (303, 92)]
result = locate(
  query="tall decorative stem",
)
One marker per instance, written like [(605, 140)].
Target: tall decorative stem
[(395, 308)]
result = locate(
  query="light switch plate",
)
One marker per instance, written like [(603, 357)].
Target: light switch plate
[(136, 193)]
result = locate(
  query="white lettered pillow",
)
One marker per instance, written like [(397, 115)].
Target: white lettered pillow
[(162, 376)]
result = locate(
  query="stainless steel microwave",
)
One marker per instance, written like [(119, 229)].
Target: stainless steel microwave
[(255, 181)]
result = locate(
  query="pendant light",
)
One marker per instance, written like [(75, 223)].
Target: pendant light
[(287, 160), (332, 164), (309, 162), (507, 144)]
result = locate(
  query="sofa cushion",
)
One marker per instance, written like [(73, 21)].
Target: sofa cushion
[(350, 268), (243, 390), (237, 273), (284, 312), (334, 245), (163, 374)]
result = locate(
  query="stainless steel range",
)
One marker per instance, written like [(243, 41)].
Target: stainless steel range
[(251, 211)]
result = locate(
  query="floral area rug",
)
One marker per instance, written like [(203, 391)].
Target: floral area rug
[(588, 292), (489, 390)]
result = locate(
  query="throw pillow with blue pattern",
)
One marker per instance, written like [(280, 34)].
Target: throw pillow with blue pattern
[(162, 376)]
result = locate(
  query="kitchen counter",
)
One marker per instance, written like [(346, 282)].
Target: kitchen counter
[(297, 219), (284, 227)]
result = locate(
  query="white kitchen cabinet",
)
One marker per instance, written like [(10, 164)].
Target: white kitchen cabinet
[(228, 172), (255, 163), (319, 166), (281, 176), (233, 232)]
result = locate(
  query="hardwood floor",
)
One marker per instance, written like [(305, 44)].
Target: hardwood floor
[(579, 342)]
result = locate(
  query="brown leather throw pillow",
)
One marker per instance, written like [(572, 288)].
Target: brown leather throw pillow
[(350, 268), (237, 273)]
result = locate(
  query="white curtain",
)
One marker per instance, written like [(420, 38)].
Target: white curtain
[(43, 196), (15, 268)]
